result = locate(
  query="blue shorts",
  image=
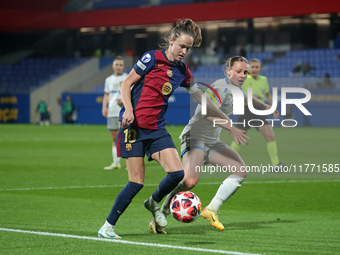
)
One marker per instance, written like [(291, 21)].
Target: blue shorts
[(134, 141)]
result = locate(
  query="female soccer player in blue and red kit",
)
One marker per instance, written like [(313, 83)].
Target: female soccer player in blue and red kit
[(145, 93)]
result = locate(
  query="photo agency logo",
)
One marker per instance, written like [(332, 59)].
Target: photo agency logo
[(239, 105)]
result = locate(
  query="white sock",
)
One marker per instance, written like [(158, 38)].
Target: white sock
[(116, 160), (228, 187), (108, 225)]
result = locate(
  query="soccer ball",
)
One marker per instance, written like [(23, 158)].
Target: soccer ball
[(185, 206)]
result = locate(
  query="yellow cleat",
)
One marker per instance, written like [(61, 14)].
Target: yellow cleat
[(213, 217), (155, 228)]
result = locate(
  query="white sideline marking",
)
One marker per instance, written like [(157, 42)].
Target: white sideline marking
[(203, 183), (124, 242)]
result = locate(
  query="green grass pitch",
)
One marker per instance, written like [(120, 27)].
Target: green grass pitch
[(52, 180)]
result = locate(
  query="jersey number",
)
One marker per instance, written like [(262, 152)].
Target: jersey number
[(130, 135)]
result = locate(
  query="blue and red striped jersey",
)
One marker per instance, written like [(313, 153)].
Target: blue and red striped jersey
[(150, 95)]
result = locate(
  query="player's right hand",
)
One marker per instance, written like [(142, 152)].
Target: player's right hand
[(105, 112)]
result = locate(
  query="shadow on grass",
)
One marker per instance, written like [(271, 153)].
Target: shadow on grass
[(200, 229), (256, 224)]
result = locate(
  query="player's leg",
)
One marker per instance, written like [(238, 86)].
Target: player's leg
[(136, 171), (191, 178), (169, 160), (116, 159), (268, 134), (41, 122), (190, 159), (228, 187), (242, 125), (113, 126)]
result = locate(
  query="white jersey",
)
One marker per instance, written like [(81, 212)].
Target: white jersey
[(112, 86), (201, 129)]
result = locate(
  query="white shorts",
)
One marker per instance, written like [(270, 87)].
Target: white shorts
[(209, 148), (113, 123)]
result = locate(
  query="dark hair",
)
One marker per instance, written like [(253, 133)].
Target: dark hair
[(118, 58), (186, 26)]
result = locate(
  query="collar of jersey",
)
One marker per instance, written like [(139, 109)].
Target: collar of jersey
[(172, 62)]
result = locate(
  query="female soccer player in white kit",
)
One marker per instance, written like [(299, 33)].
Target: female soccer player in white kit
[(200, 143), (112, 104)]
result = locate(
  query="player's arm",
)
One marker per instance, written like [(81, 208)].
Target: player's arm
[(196, 93), (270, 101), (239, 135), (104, 106), (125, 90), (269, 98), (214, 113), (265, 106)]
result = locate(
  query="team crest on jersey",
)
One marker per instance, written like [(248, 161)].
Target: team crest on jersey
[(128, 147), (167, 88), (169, 73)]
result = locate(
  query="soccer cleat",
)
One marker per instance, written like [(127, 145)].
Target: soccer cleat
[(213, 217), (155, 228), (112, 166), (166, 208), (158, 216), (107, 233)]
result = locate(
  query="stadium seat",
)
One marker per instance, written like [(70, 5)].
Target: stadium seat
[(31, 73)]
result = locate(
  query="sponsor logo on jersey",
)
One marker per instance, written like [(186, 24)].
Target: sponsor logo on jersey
[(128, 147), (167, 88), (141, 65), (169, 73), (159, 65), (146, 58)]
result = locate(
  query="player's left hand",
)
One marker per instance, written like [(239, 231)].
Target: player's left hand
[(105, 112), (239, 136), (128, 118)]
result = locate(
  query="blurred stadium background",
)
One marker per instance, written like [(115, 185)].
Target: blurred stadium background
[(52, 184), (52, 49)]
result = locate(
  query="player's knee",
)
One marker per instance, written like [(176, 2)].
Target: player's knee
[(241, 171), (177, 176), (191, 183), (137, 178), (243, 174)]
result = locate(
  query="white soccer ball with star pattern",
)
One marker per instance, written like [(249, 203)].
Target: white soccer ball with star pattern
[(186, 206)]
